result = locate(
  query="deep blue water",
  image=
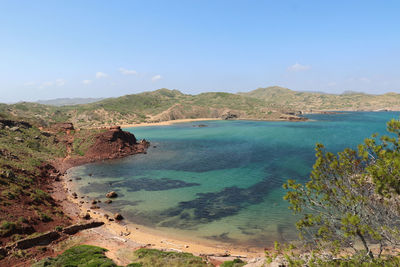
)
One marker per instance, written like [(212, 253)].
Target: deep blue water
[(223, 182)]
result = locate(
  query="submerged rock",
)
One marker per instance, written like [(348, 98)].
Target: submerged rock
[(111, 194)]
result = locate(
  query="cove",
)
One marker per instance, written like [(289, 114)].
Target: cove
[(222, 182)]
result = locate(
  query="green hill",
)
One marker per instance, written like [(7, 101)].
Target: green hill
[(271, 103), (155, 106), (310, 101)]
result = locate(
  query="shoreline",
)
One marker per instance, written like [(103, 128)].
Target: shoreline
[(170, 122), (138, 236), (124, 235)]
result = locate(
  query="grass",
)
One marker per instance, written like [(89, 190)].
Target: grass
[(38, 196), (22, 151), (234, 263), (83, 140), (7, 228), (157, 258), (85, 255), (82, 255)]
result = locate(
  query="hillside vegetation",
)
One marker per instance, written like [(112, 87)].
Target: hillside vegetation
[(310, 101), (26, 205), (272, 103), (84, 255), (159, 105)]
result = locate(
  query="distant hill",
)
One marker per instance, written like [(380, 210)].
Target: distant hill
[(271, 103), (68, 101), (155, 106), (350, 92), (313, 101)]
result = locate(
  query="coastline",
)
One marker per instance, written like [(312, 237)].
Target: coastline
[(119, 236), (170, 122)]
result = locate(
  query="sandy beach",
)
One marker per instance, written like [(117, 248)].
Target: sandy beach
[(122, 237), (162, 123)]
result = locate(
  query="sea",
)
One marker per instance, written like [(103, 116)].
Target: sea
[(222, 181)]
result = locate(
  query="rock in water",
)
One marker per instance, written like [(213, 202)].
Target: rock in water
[(111, 194)]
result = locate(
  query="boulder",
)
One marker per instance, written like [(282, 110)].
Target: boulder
[(111, 194), (86, 216), (118, 216)]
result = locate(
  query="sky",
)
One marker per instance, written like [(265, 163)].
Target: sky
[(53, 49)]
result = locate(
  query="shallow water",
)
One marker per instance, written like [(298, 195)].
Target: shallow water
[(222, 182)]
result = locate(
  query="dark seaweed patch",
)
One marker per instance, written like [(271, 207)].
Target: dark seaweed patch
[(208, 207), (147, 184), (134, 185)]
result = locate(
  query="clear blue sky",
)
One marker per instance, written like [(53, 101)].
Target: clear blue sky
[(51, 49)]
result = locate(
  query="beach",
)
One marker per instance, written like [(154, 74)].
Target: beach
[(170, 122), (123, 237)]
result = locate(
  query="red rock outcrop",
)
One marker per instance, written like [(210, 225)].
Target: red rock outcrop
[(115, 143), (112, 144)]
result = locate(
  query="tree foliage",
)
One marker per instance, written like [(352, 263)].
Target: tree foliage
[(352, 198)]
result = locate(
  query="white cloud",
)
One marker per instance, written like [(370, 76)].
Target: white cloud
[(86, 82), (100, 75), (156, 78), (298, 67), (127, 72)]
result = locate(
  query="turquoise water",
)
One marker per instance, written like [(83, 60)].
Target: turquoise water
[(222, 182)]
